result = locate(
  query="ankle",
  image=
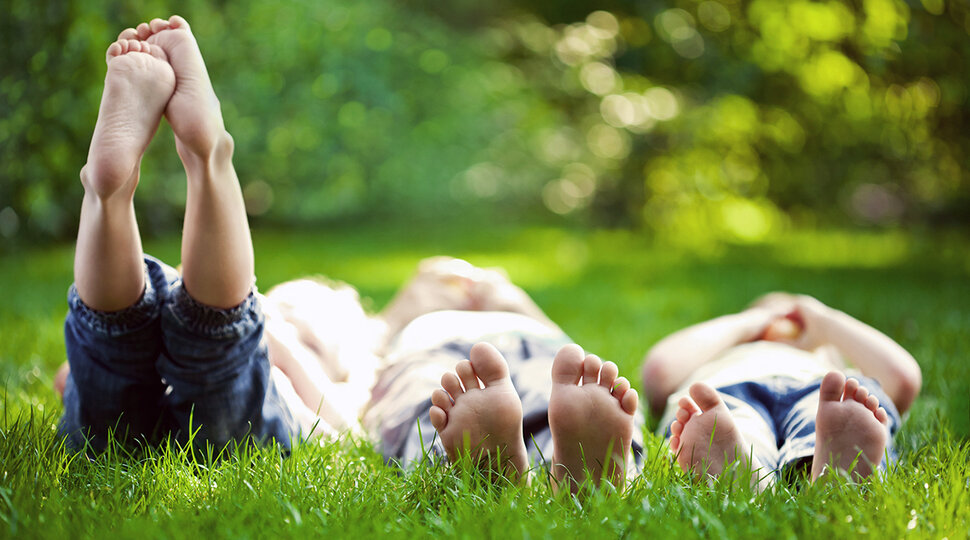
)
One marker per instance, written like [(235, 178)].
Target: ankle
[(202, 160), (108, 183)]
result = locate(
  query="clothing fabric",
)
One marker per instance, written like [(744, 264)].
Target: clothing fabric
[(169, 365), (772, 391), (432, 345)]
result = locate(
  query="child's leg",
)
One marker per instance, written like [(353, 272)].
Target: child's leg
[(108, 266), (216, 361), (112, 333), (217, 251)]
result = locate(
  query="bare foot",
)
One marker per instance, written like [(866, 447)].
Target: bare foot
[(591, 419), (137, 87), (850, 427), (706, 439), (484, 422), (193, 111)]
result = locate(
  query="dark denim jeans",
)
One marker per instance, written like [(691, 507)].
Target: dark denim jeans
[(169, 365)]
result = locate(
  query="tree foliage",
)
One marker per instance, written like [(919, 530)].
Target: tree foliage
[(687, 116)]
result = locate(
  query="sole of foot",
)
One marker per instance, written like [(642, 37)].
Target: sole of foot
[(591, 413), (850, 428), (706, 440), (478, 414), (193, 112), (137, 88)]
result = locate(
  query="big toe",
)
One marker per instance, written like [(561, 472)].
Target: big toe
[(489, 364), (567, 367), (832, 386), (705, 396), (178, 22)]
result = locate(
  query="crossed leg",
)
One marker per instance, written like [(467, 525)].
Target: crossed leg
[(217, 251), (155, 68), (108, 264)]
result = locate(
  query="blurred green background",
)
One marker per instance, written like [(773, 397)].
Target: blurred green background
[(702, 121)]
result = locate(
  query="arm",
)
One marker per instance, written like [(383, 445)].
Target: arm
[(669, 363), (873, 352)]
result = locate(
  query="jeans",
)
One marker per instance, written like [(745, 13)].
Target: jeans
[(170, 366)]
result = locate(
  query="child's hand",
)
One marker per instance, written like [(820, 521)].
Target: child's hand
[(812, 316)]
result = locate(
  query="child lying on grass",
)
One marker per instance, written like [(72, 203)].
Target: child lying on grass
[(155, 353), (766, 390)]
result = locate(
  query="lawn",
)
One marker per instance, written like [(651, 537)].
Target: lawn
[(614, 292)]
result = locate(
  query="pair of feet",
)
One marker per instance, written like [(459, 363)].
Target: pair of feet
[(153, 69), (850, 429), (477, 413)]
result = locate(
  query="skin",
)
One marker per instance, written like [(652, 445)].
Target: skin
[(477, 412), (851, 431), (166, 74)]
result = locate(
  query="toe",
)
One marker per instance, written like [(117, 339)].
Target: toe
[(143, 31), (567, 368), (128, 33), (608, 375), (832, 386), (441, 399), (683, 415), (466, 373), (591, 369), (157, 25), (872, 403), (861, 395), (629, 401), (676, 428), (882, 415), (851, 385), (113, 50), (489, 364), (620, 387), (439, 418), (687, 404), (178, 22), (705, 396), (674, 443), (449, 381)]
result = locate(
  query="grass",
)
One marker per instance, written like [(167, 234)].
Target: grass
[(614, 293)]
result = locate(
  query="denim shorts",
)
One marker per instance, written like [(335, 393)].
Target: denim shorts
[(169, 366)]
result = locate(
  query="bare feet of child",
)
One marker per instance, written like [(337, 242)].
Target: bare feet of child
[(137, 87), (193, 111), (706, 439), (850, 427), (481, 415), (591, 419)]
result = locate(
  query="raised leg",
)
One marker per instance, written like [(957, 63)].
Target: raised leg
[(217, 251), (108, 265)]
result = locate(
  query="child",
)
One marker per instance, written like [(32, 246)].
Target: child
[(766, 388), (467, 359), (152, 352)]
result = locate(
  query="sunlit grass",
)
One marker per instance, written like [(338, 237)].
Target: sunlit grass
[(614, 292)]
